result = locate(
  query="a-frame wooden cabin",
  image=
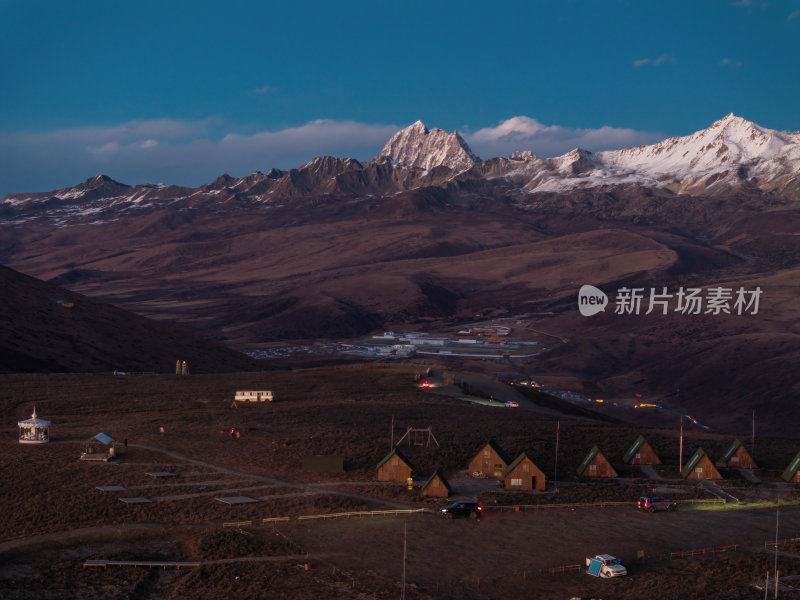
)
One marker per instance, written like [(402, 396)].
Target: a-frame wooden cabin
[(700, 467), (596, 465), (737, 457), (641, 453)]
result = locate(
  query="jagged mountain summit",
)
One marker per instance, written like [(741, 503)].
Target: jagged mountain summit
[(416, 146), (732, 155)]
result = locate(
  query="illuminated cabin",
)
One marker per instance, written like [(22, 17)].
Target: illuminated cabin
[(490, 461)]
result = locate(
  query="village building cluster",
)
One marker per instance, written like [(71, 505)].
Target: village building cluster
[(522, 473)]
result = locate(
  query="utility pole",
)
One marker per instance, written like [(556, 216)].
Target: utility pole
[(680, 452), (555, 475), (753, 439), (777, 520), (405, 537)]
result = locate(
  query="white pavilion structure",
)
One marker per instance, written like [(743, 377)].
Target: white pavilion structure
[(34, 430)]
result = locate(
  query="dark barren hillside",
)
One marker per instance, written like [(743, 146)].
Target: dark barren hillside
[(427, 235), (49, 329)]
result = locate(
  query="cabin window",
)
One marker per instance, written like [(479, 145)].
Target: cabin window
[(735, 459), (593, 467), (516, 482), (638, 455), (698, 470)]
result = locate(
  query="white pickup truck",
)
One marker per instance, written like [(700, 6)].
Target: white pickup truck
[(605, 566)]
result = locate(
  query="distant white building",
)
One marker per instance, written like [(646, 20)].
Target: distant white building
[(258, 396), (34, 430), (428, 341)]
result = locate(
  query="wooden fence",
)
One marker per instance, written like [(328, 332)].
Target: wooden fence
[(364, 513), (140, 563), (783, 542), (703, 551), (339, 515), (523, 507), (564, 569)]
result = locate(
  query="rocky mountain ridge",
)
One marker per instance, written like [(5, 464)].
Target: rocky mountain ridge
[(732, 155)]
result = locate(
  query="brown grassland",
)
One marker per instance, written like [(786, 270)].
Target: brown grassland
[(55, 518)]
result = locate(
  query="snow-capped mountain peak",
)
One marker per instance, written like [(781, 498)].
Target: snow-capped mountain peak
[(727, 142), (417, 146)]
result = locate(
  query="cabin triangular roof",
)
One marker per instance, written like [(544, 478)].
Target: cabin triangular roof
[(790, 471), (730, 451), (394, 452), (437, 473), (687, 469), (516, 462), (589, 457), (638, 443), (493, 445)]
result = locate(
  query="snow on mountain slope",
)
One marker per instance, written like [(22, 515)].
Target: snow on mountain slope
[(729, 141), (732, 151)]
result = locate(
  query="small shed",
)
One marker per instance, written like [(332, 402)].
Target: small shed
[(394, 467), (436, 486), (490, 461), (792, 472), (737, 457), (34, 430), (641, 453), (700, 467), (99, 447), (596, 465), (523, 474)]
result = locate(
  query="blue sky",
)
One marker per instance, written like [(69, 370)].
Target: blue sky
[(180, 92)]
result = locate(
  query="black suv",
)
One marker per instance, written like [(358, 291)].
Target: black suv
[(461, 509), (654, 503)]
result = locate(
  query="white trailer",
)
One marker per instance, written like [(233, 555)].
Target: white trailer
[(258, 396)]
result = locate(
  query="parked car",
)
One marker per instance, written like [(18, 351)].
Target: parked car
[(605, 566), (461, 509), (654, 503), (512, 404)]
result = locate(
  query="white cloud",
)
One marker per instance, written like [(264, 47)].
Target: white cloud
[(793, 15), (526, 133), (661, 60), (195, 152), (173, 151)]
